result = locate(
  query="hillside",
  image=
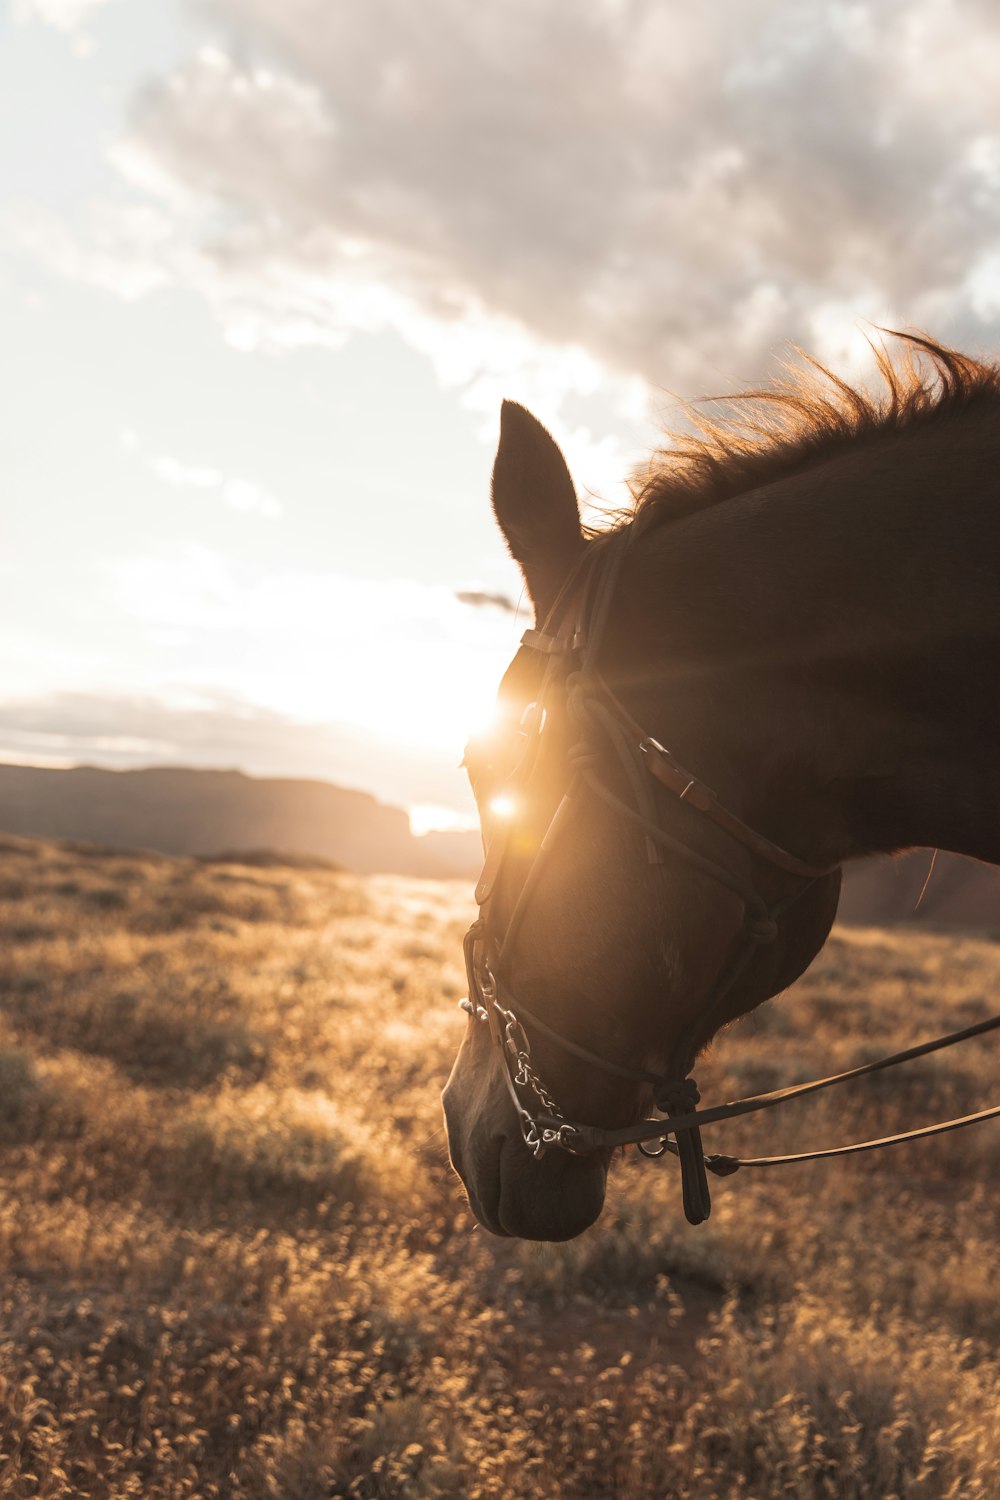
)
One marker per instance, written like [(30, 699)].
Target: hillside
[(179, 810), (234, 1260)]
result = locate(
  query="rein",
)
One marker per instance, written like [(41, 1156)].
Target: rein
[(569, 642)]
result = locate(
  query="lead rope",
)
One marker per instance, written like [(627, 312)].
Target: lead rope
[(594, 1138)]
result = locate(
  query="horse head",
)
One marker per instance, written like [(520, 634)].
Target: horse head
[(621, 921)]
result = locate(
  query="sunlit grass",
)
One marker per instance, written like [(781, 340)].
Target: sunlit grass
[(235, 1261)]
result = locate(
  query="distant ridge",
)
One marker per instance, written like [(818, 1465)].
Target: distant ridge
[(179, 810)]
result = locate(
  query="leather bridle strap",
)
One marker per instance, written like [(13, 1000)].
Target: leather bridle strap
[(687, 788), (593, 1137)]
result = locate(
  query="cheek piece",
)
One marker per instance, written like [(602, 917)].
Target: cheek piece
[(606, 734)]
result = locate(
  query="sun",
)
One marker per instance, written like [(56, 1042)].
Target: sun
[(429, 700)]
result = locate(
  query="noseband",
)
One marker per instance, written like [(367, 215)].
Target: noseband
[(605, 731)]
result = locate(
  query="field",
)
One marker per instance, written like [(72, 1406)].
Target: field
[(235, 1261)]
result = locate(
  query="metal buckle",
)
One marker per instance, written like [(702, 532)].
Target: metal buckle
[(540, 1140)]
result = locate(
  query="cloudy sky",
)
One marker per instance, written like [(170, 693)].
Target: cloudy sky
[(268, 266)]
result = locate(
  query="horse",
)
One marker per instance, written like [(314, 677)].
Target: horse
[(781, 657)]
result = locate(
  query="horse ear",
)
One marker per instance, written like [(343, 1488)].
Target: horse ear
[(535, 504)]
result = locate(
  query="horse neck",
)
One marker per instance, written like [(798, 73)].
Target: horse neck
[(828, 647)]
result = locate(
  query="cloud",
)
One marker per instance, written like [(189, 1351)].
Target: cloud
[(477, 599), (398, 672), (404, 660), (239, 494), (216, 729), (64, 15), (588, 194)]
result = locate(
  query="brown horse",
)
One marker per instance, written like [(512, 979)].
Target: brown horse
[(804, 608)]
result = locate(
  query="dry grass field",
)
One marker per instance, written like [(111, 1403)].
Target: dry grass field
[(235, 1261)]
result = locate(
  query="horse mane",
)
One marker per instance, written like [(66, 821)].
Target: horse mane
[(803, 419)]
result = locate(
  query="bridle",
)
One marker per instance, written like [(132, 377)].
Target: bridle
[(569, 643)]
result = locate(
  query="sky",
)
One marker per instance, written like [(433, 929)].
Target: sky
[(267, 268)]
